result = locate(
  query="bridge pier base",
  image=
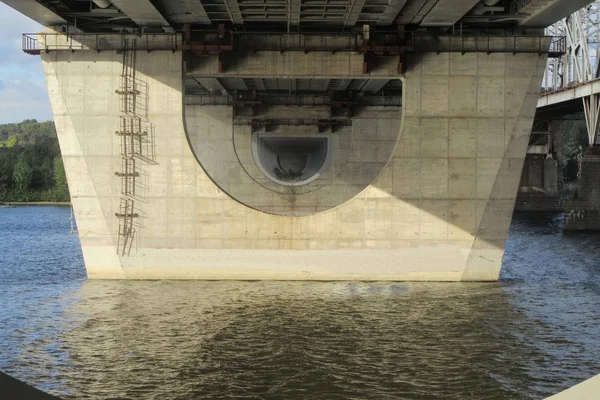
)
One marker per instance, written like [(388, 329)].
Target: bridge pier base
[(424, 191), (541, 186), (583, 212)]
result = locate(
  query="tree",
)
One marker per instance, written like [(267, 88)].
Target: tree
[(575, 143), (60, 178), (22, 174)]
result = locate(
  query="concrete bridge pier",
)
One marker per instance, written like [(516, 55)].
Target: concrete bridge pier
[(242, 180), (583, 211), (541, 186)]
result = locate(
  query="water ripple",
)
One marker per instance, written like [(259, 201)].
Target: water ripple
[(533, 334)]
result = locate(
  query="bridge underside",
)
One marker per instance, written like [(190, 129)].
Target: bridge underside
[(294, 15), (303, 139), (583, 209)]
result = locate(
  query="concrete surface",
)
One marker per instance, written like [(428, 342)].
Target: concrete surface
[(434, 203), (587, 390), (583, 212)]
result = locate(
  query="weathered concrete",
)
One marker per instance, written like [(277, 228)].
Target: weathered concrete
[(433, 203), (541, 186), (583, 212)]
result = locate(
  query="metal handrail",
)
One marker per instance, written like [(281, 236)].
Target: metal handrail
[(550, 45), (558, 45), (35, 43), (30, 44)]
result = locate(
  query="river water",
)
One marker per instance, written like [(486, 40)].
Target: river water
[(533, 334)]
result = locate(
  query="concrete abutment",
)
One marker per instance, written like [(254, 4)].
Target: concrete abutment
[(421, 191), (583, 211)]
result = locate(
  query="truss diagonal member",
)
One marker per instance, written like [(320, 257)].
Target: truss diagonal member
[(581, 60), (591, 106)]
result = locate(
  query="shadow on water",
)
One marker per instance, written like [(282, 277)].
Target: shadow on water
[(533, 334)]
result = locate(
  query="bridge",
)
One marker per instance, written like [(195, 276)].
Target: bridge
[(571, 85), (294, 139)]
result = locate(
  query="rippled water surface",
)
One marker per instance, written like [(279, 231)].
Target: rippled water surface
[(533, 334)]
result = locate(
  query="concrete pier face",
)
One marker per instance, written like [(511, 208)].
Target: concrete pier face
[(583, 212), (419, 192)]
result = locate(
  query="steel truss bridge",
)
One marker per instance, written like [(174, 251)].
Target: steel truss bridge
[(572, 81)]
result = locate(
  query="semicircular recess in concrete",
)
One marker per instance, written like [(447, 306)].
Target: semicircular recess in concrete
[(345, 160), (291, 161)]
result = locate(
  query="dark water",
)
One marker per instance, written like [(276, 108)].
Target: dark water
[(533, 334)]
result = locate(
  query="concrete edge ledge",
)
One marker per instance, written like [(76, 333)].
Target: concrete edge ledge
[(12, 388), (586, 390)]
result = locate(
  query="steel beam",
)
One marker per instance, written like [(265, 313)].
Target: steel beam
[(591, 108), (374, 85), (354, 12), (448, 12), (183, 11), (260, 84), (211, 84), (391, 11), (36, 12), (543, 13), (142, 12), (294, 12)]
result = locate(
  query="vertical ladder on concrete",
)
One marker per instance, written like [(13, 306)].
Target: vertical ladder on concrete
[(128, 93), (136, 140), (136, 135), (126, 232), (127, 175)]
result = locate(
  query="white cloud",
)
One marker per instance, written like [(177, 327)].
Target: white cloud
[(23, 93), (23, 99)]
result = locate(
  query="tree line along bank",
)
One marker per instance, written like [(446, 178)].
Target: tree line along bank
[(31, 167)]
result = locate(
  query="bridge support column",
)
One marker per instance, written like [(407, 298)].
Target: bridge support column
[(583, 211), (541, 183), (591, 107), (421, 192)]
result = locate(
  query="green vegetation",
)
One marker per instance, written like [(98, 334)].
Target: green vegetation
[(10, 142), (575, 143), (31, 168)]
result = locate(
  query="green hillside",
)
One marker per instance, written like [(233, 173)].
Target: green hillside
[(10, 142), (31, 168)]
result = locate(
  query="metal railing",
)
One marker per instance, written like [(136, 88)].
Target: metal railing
[(554, 46), (30, 44), (558, 46), (36, 43)]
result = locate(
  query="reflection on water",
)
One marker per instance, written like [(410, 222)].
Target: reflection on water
[(532, 334)]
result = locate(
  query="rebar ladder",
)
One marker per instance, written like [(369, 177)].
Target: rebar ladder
[(128, 94)]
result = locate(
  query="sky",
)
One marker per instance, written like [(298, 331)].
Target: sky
[(23, 93)]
